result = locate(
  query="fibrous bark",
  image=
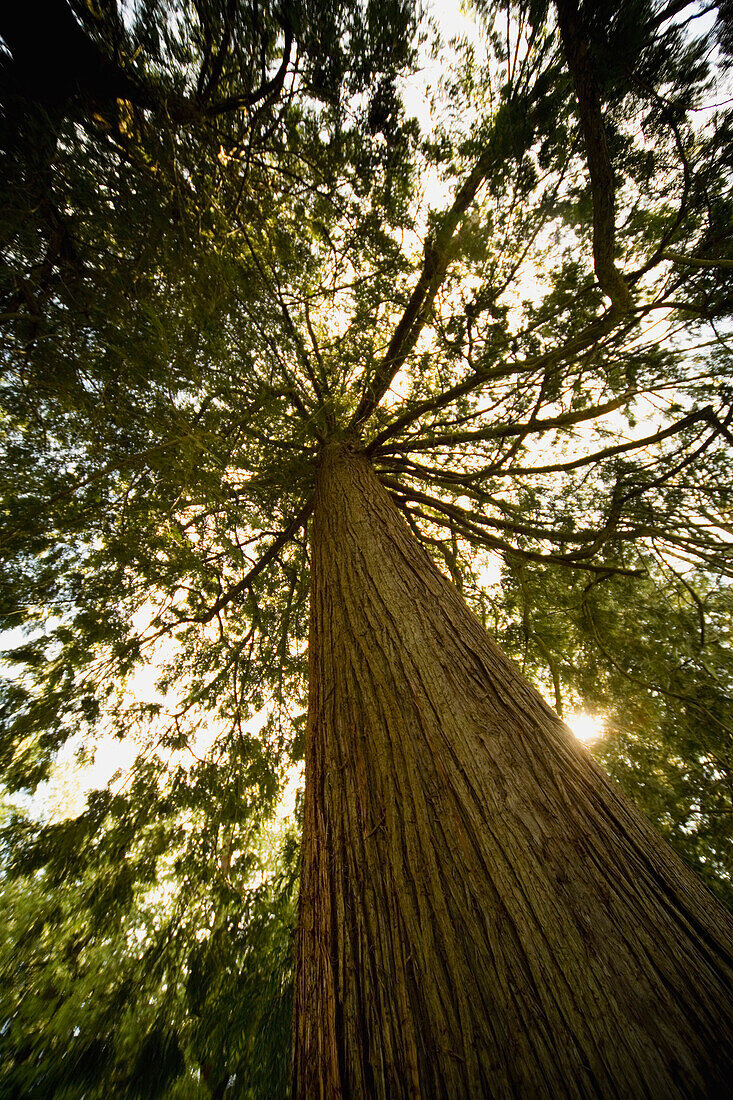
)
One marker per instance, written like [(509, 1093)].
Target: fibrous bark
[(482, 913)]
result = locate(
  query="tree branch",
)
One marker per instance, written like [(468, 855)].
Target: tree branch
[(437, 257), (585, 339), (270, 555), (504, 431), (61, 60), (600, 170), (471, 532), (607, 452), (698, 261)]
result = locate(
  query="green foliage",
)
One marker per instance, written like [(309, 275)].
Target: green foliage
[(223, 241), (110, 989), (653, 658)]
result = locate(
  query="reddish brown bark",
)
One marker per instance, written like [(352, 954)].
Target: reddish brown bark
[(482, 913)]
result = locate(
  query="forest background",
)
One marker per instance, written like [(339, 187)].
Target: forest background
[(228, 239)]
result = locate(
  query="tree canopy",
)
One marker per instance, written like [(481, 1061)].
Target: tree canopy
[(226, 242)]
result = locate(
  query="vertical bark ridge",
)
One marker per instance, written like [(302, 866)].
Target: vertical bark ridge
[(482, 913)]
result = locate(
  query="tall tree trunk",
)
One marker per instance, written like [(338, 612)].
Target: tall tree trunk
[(482, 913)]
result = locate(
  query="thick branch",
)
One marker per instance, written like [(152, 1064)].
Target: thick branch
[(607, 452), (468, 479), (600, 170), (504, 431), (60, 60), (269, 89), (415, 412), (674, 8), (585, 339), (475, 534), (698, 261), (462, 515), (437, 257)]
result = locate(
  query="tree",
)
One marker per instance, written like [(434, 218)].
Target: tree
[(472, 885), (295, 376)]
